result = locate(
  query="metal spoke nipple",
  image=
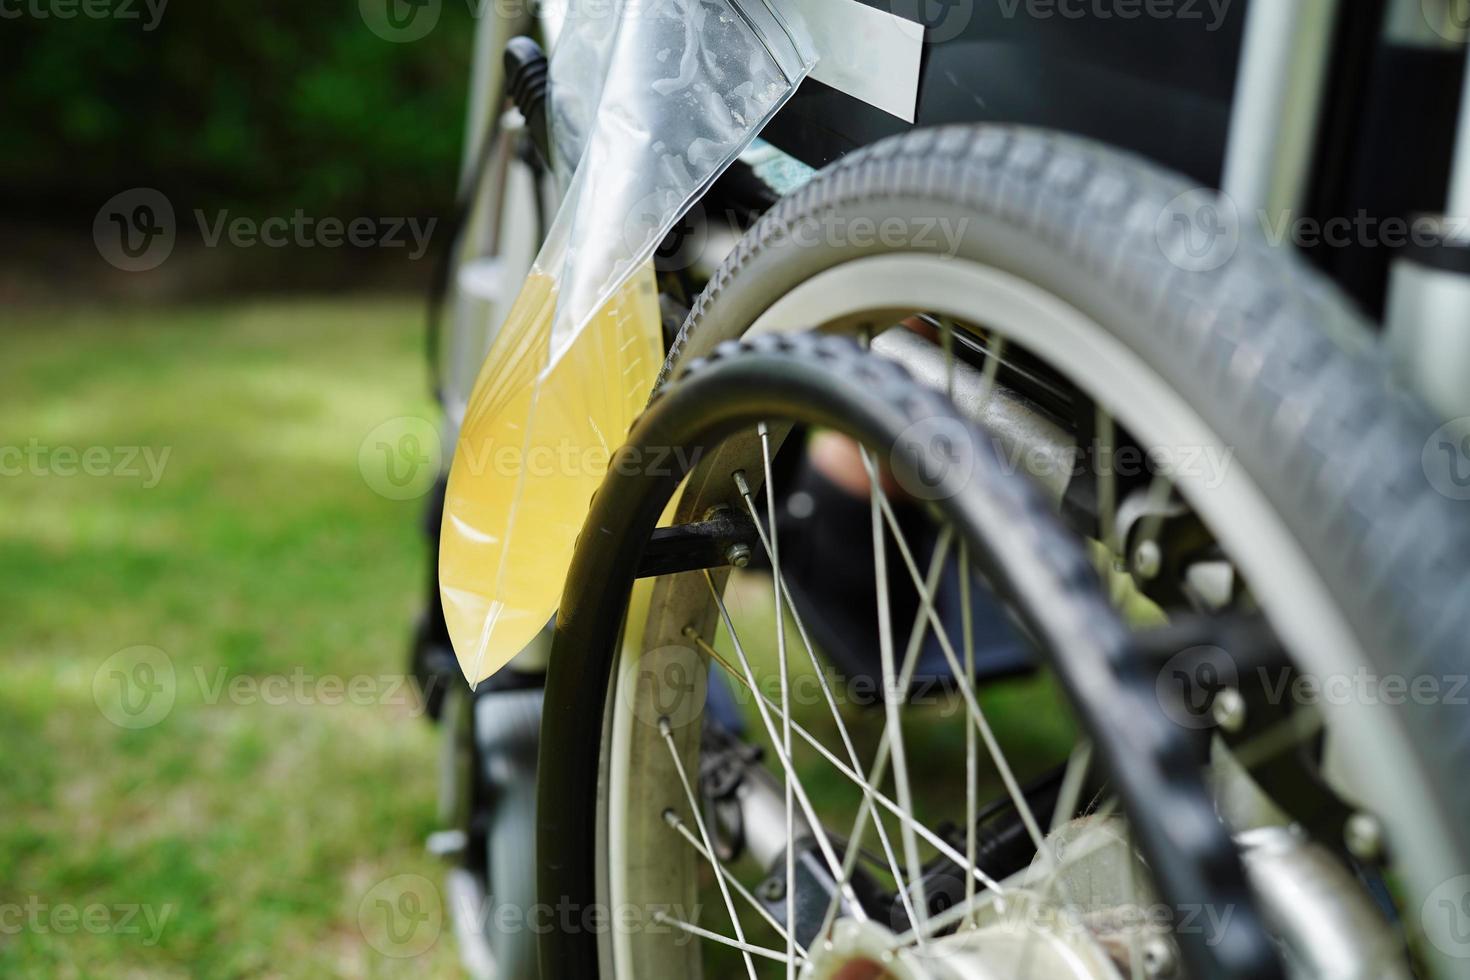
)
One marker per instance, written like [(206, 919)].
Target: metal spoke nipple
[(1229, 710)]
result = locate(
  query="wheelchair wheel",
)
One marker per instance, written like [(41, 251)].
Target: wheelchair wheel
[(910, 840), (1113, 306)]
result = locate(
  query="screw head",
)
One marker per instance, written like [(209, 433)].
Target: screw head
[(1158, 957), (738, 555), (1148, 560), (1363, 835), (1229, 710), (773, 889)]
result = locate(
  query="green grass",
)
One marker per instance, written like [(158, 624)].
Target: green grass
[(257, 828), (255, 833)]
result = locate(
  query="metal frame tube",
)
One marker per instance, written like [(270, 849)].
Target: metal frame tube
[(1278, 98), (1459, 199), (487, 72)]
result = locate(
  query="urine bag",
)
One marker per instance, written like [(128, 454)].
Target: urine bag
[(652, 99)]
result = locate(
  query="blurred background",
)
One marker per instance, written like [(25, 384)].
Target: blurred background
[(219, 223)]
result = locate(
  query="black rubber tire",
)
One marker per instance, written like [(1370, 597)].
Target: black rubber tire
[(1269, 353), (1016, 539)]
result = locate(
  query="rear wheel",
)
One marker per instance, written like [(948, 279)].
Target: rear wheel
[(1057, 279)]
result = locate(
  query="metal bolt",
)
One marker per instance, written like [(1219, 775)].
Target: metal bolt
[(1148, 560), (1158, 957), (738, 555), (773, 889), (1229, 710), (1363, 835)]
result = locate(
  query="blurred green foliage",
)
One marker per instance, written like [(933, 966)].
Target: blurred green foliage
[(261, 552), (261, 107)]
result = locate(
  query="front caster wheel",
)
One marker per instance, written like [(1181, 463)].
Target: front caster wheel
[(898, 823)]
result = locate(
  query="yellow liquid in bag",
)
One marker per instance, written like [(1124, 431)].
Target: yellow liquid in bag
[(534, 446)]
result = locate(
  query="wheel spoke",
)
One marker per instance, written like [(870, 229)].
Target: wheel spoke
[(1160, 489), (1072, 781), (1107, 487), (893, 695), (668, 736), (774, 550), (818, 832), (989, 372), (746, 948), (1278, 737), (866, 785), (1068, 794), (972, 758), (962, 911), (880, 761), (1130, 900), (1054, 876), (952, 916), (827, 695), (927, 609), (946, 340), (972, 762), (672, 819), (849, 860)]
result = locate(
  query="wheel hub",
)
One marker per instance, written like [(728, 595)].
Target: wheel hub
[(1076, 925), (1005, 951)]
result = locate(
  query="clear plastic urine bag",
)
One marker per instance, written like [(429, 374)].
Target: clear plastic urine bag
[(652, 99)]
